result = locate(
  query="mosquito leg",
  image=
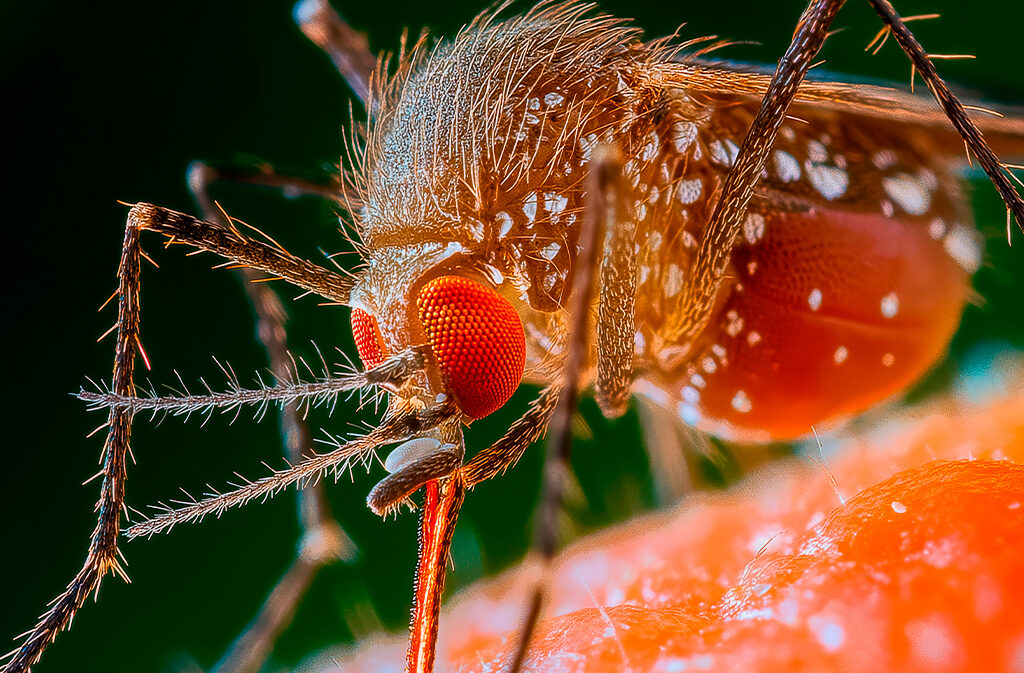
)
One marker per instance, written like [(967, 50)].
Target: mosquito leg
[(716, 245), (323, 541), (202, 176), (103, 555), (600, 215), (507, 451), (348, 48), (251, 649), (616, 303), (953, 108), (229, 242)]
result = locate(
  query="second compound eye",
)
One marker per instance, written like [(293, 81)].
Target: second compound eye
[(477, 338), (367, 337)]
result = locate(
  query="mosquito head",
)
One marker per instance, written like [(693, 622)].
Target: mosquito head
[(474, 335)]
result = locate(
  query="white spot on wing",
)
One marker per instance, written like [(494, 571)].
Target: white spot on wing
[(840, 355), (555, 202), (673, 280), (683, 135), (504, 221), (688, 191), (724, 151), (908, 192), (753, 228), (651, 148), (551, 251), (735, 323), (883, 159), (786, 167), (530, 206), (553, 98), (831, 182), (816, 152), (963, 247)]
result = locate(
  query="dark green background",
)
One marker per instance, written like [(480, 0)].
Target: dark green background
[(111, 101)]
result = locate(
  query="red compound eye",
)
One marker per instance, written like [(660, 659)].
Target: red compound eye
[(477, 339), (367, 335)]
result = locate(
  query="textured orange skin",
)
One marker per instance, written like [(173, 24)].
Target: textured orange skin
[(932, 583), (367, 338), (477, 338)]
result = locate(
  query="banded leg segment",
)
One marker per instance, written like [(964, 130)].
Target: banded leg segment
[(716, 246), (997, 172), (102, 557), (616, 312)]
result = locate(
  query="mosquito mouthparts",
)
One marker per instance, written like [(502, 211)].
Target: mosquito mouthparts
[(408, 452)]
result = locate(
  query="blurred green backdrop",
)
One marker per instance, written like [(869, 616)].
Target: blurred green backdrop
[(111, 101)]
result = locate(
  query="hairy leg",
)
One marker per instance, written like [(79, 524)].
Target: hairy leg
[(229, 242), (347, 48), (616, 303), (605, 172), (719, 238), (103, 555), (322, 541)]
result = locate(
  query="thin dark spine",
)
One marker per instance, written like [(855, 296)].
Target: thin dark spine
[(716, 245), (103, 553), (953, 108)]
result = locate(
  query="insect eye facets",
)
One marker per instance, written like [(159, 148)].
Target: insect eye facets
[(477, 338), (367, 337)]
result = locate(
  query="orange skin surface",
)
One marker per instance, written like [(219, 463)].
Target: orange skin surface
[(920, 569)]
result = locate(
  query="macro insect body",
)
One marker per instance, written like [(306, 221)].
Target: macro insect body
[(471, 191)]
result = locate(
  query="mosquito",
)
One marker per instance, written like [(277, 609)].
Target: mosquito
[(548, 198)]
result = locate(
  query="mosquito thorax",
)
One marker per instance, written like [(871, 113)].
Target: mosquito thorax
[(850, 277)]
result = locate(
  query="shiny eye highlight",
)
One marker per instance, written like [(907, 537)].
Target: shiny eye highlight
[(478, 341), (367, 336)]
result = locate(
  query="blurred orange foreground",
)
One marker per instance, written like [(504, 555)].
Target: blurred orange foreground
[(920, 569)]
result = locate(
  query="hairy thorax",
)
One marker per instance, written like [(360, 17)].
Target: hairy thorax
[(850, 275)]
